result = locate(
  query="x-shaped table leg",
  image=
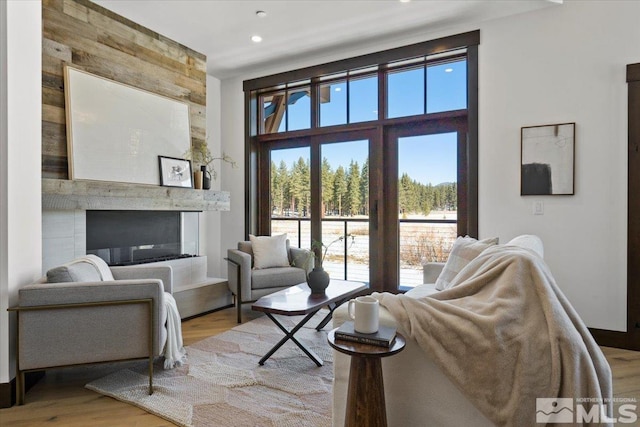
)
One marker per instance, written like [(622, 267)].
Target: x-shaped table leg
[(289, 336), (329, 315), (327, 318)]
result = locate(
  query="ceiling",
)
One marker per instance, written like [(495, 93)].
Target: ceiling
[(300, 29)]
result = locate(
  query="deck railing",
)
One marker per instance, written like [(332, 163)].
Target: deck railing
[(421, 240)]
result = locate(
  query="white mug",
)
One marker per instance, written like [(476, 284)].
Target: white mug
[(364, 311)]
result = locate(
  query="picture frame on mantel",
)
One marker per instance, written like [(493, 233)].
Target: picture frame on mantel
[(175, 172), (547, 160)]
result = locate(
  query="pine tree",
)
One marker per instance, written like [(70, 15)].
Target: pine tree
[(353, 189), (364, 188), (404, 194), (327, 186), (339, 189), (299, 187)]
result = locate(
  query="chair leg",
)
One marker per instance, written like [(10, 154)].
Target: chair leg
[(239, 296), (150, 375), (20, 387)]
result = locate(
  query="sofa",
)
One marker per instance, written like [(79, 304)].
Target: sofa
[(85, 312), (417, 390)]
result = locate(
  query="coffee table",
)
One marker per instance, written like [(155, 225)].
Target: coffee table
[(297, 301)]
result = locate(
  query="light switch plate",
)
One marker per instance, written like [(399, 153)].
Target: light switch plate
[(538, 207)]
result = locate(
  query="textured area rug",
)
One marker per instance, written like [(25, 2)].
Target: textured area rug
[(222, 383)]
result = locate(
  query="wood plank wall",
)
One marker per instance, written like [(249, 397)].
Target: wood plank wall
[(101, 42)]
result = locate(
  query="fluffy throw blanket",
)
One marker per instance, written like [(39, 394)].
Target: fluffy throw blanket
[(174, 352), (505, 335)]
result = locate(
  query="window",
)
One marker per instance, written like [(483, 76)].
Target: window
[(403, 102), (284, 111), (333, 108), (388, 174)]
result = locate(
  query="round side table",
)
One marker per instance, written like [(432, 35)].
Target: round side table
[(365, 397)]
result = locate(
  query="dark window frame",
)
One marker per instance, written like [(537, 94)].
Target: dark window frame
[(257, 158)]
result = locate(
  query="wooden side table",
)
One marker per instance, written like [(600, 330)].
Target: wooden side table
[(365, 397)]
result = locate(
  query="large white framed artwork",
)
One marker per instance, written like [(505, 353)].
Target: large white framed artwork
[(116, 132)]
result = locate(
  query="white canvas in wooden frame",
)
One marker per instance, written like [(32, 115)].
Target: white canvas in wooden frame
[(116, 132)]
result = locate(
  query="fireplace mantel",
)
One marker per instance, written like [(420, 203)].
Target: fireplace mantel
[(62, 194)]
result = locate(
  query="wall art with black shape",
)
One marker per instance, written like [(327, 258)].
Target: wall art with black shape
[(548, 154)]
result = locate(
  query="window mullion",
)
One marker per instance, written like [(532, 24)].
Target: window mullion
[(348, 85), (424, 100), (382, 94), (315, 102)]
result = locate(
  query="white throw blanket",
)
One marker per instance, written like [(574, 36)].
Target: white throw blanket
[(505, 335), (174, 352)]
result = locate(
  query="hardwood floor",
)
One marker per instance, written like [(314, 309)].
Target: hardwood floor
[(61, 399)]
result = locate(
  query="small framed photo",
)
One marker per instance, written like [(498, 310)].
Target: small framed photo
[(175, 172), (548, 160)]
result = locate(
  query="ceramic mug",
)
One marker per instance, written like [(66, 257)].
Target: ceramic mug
[(364, 311)]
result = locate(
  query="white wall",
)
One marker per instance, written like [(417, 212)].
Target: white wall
[(210, 244), (572, 71), (232, 222), (20, 154), (559, 64)]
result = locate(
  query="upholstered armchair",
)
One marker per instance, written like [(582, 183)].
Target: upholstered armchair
[(253, 275), (85, 312)]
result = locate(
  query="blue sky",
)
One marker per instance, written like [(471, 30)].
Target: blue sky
[(427, 159)]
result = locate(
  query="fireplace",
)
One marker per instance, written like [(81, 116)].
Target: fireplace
[(136, 237)]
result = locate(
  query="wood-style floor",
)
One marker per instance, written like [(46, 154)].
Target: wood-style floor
[(60, 397)]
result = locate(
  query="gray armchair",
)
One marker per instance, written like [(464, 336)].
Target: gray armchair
[(248, 284), (85, 317)]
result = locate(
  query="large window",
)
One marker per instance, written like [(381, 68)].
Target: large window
[(374, 156)]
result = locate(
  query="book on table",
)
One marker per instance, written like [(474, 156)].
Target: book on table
[(384, 337)]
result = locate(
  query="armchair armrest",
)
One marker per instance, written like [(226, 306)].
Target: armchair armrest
[(162, 272), (239, 262), (302, 258), (431, 271), (83, 292)]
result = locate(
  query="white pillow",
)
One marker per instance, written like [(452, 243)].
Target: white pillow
[(528, 241), (464, 250), (269, 251)]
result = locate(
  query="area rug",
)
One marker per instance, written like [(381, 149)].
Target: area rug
[(222, 383)]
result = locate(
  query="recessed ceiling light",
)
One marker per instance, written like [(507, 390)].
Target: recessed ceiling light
[(256, 39), (261, 13), (405, 1), (448, 70)]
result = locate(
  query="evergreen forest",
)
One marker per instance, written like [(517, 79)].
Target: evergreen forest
[(345, 191)]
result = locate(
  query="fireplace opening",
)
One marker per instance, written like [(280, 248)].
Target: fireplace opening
[(138, 237)]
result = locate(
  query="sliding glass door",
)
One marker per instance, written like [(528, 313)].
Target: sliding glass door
[(345, 208), (430, 185), (427, 202), (290, 194), (319, 191)]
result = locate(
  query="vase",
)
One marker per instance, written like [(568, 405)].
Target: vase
[(206, 178), (197, 180), (318, 280)]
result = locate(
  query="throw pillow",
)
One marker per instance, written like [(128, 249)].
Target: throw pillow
[(464, 250), (269, 251), (89, 268)]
